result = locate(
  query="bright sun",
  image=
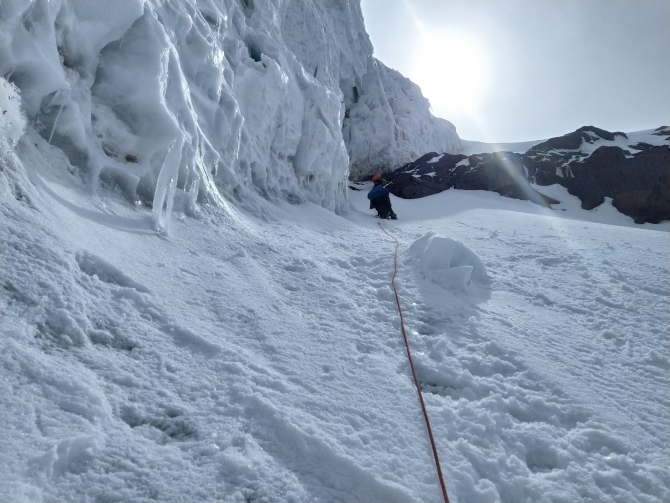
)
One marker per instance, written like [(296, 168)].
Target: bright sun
[(451, 70)]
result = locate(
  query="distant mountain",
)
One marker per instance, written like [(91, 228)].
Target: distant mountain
[(469, 147), (500, 172), (633, 169)]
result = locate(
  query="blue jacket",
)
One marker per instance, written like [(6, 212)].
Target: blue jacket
[(377, 191)]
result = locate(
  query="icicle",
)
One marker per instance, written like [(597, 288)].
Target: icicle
[(53, 128), (166, 184)]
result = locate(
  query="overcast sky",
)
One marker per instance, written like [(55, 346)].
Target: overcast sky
[(531, 69)]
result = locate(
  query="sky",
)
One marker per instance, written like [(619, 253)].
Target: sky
[(517, 70)]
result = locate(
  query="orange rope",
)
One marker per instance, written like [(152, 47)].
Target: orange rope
[(411, 364)]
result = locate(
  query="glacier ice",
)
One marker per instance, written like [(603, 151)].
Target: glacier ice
[(390, 124), (211, 101), (12, 120)]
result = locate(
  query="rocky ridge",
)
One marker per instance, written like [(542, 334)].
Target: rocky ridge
[(633, 169)]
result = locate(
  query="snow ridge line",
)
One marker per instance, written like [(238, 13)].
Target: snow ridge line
[(411, 364)]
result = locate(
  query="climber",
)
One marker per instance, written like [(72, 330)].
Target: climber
[(379, 199)]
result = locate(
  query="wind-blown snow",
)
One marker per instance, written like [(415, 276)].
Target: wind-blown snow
[(645, 136), (205, 101)]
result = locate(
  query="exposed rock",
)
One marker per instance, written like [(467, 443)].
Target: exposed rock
[(572, 141), (662, 131), (634, 174), (502, 172), (590, 162)]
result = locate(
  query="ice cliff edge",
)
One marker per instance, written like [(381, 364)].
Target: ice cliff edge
[(278, 98)]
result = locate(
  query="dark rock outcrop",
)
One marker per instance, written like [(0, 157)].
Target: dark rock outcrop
[(590, 162), (502, 172), (635, 176)]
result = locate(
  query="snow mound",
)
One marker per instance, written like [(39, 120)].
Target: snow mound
[(448, 262)]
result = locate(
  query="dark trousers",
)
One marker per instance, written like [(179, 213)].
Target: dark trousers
[(383, 206)]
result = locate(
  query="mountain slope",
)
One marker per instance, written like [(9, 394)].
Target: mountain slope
[(593, 164), (248, 357)]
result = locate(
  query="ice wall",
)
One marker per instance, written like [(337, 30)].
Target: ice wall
[(12, 122), (388, 123), (212, 100)]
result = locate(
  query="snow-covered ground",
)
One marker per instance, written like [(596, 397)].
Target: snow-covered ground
[(255, 356)]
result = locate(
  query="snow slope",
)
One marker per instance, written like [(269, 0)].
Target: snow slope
[(205, 100), (470, 147), (253, 356)]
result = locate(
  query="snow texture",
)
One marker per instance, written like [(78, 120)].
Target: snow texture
[(626, 141), (251, 358), (12, 120), (205, 102)]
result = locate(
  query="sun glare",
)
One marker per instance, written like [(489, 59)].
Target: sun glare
[(450, 68)]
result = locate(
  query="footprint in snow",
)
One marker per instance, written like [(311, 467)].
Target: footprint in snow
[(300, 265), (188, 271), (95, 266)]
